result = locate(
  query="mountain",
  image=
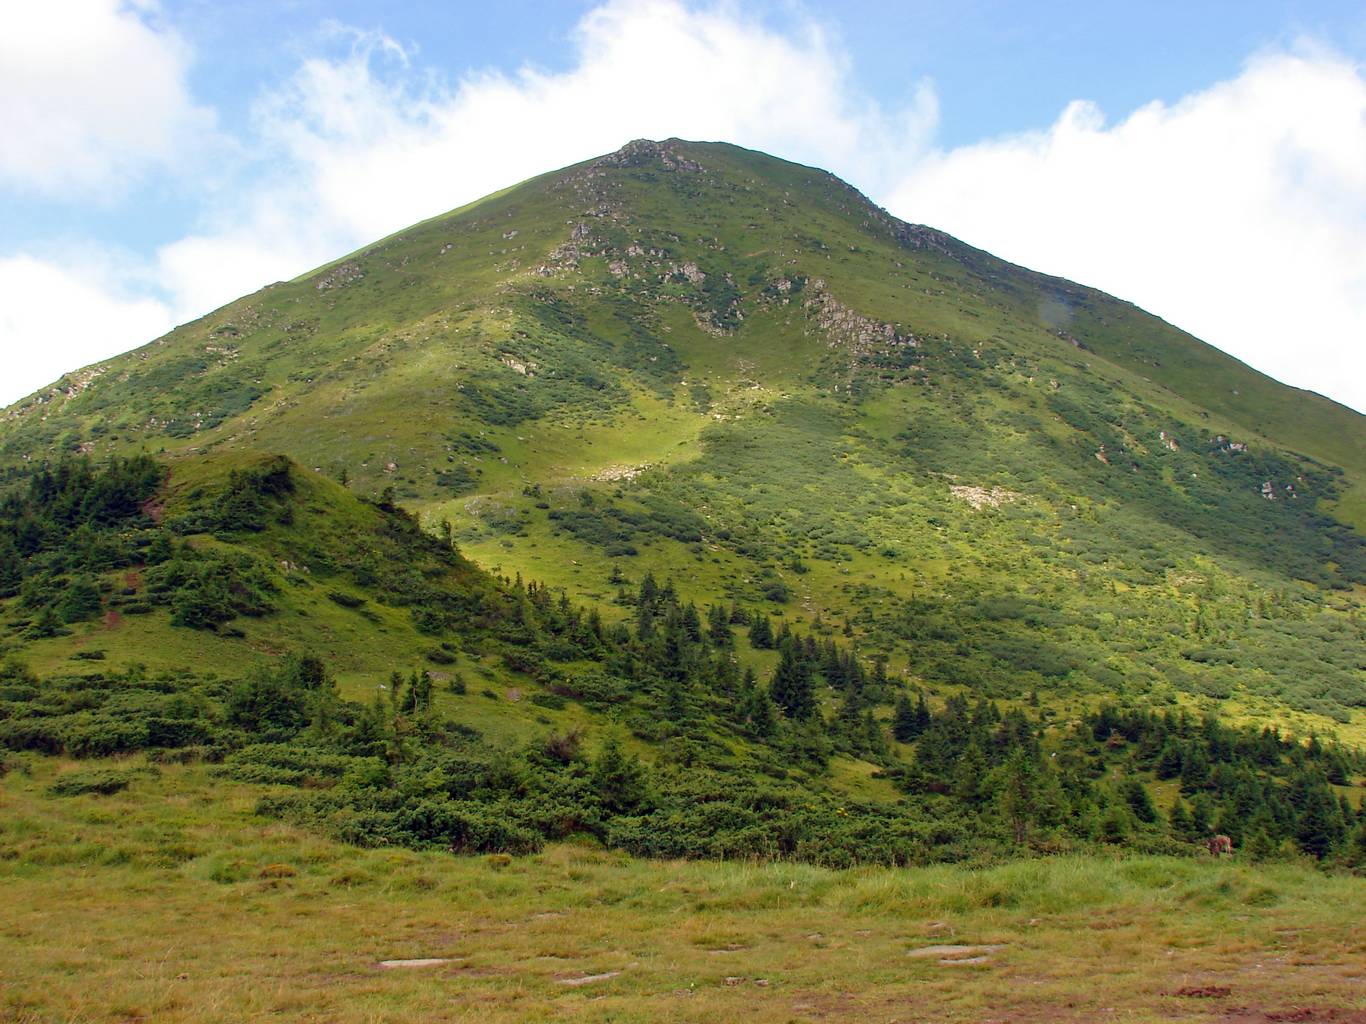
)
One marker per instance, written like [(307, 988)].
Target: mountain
[(741, 374), (686, 500)]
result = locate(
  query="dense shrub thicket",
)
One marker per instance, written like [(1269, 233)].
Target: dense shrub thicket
[(739, 765)]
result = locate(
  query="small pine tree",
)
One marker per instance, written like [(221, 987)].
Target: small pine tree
[(619, 779), (760, 717), (874, 739), (1017, 790), (761, 632), (1140, 803), (905, 728), (1356, 848), (1179, 821), (80, 602), (1260, 846), (792, 689), (1202, 817), (1318, 827), (969, 774)]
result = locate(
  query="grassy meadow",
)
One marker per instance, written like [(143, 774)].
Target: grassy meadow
[(172, 901)]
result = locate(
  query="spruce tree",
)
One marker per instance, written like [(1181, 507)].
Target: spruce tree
[(792, 689), (1318, 823), (1018, 793), (1179, 821), (1140, 803), (905, 728), (761, 632), (923, 718), (758, 712), (619, 779)]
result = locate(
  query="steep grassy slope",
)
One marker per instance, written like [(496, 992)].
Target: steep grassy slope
[(738, 373)]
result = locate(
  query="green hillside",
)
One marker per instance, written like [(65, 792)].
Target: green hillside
[(730, 379), (737, 373)]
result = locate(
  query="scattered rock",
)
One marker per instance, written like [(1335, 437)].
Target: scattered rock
[(954, 954), (980, 498), (340, 275), (588, 979), (431, 961), (615, 474)]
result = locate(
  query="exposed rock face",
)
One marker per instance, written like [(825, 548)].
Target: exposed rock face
[(847, 327), (340, 275), (863, 343), (980, 498), (644, 152), (616, 474)]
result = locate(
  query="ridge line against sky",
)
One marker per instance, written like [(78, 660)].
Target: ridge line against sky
[(142, 185)]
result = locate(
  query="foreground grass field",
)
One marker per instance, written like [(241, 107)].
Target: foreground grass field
[(172, 901)]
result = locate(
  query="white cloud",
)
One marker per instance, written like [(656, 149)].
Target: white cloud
[(1238, 214), (54, 319), (94, 91)]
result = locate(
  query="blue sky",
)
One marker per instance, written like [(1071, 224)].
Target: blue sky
[(1207, 161)]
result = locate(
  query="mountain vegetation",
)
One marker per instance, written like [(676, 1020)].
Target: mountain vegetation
[(684, 504)]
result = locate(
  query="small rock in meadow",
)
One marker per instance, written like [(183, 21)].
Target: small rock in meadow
[(431, 961), (588, 979)]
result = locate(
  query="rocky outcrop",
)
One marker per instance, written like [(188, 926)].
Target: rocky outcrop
[(645, 153), (340, 275), (980, 497)]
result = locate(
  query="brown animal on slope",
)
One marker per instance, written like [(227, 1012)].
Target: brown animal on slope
[(1219, 845)]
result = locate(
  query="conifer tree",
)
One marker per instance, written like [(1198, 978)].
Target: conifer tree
[(1140, 803), (1179, 821), (761, 632), (1018, 794), (758, 712), (619, 779), (792, 689), (905, 728)]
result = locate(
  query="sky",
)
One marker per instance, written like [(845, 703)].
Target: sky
[(1206, 161)]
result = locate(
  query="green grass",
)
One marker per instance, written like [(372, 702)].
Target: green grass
[(172, 901)]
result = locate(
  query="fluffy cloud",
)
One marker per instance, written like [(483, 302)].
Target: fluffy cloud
[(93, 93), (1238, 213), (53, 320)]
